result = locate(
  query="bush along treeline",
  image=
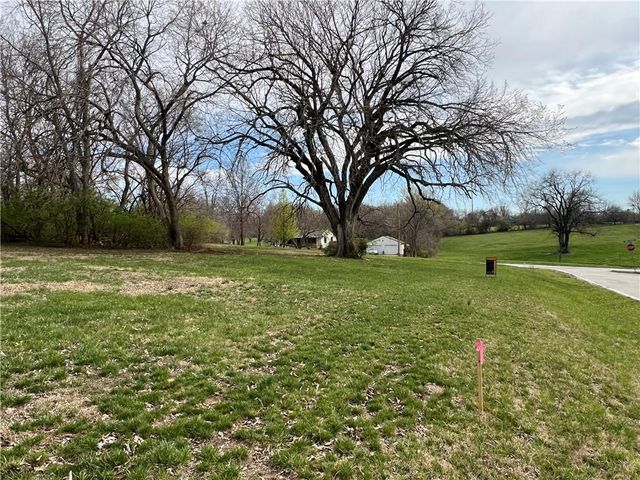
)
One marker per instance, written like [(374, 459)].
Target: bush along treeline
[(49, 217)]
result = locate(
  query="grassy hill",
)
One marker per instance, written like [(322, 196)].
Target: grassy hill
[(176, 365), (540, 246)]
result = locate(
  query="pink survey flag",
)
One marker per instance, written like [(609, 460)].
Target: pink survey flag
[(480, 349)]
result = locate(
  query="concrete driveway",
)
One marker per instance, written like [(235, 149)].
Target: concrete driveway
[(622, 281)]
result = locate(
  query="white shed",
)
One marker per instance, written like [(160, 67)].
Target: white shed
[(385, 246)]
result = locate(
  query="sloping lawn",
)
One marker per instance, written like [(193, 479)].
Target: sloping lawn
[(606, 247), (173, 365)]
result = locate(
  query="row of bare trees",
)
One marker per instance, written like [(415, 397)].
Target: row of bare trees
[(110, 95), (142, 100)]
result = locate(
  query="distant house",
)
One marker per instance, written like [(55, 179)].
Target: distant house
[(316, 239), (385, 246)]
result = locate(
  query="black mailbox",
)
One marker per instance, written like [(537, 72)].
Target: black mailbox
[(491, 266)]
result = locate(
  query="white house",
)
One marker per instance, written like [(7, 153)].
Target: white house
[(316, 239), (325, 238), (385, 246)]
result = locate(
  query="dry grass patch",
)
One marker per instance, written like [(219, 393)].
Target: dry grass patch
[(68, 402), (134, 283), (430, 390), (174, 285), (257, 464), (7, 289)]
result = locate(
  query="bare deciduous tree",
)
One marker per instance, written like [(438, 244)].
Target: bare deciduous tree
[(344, 92), (569, 200), (310, 220), (423, 223), (244, 187), (163, 67), (634, 203)]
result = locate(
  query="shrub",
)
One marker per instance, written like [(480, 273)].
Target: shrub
[(429, 246), (25, 215), (50, 217), (198, 229), (359, 247), (135, 230), (331, 249)]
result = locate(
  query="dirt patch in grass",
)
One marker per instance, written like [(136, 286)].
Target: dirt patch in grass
[(257, 464), (135, 284), (430, 390), (392, 370), (174, 285), (70, 286), (68, 402)]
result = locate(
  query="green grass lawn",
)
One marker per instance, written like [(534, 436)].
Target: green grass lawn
[(149, 365), (607, 247)]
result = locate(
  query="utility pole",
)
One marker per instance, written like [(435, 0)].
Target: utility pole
[(398, 217)]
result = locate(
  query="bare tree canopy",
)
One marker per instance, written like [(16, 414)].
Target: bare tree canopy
[(162, 69), (569, 200), (112, 97), (243, 190), (347, 91)]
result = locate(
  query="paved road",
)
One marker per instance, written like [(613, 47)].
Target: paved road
[(621, 281)]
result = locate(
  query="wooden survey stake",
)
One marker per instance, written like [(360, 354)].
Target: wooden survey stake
[(480, 349)]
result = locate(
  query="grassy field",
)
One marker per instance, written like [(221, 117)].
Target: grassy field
[(150, 365), (607, 247)]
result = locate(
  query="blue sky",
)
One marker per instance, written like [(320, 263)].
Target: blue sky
[(585, 56)]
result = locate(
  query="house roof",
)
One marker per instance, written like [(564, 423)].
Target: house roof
[(320, 233), (316, 234)]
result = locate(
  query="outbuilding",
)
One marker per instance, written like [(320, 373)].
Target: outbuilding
[(385, 246)]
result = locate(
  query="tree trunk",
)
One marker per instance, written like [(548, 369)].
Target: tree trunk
[(259, 233), (241, 228), (564, 242), (173, 224), (127, 185), (344, 238)]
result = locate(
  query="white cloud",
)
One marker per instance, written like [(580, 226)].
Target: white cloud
[(536, 37), (581, 132), (581, 55), (589, 93), (623, 162)]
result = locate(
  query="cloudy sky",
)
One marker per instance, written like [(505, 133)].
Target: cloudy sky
[(586, 57)]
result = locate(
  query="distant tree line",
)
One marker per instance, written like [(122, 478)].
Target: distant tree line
[(503, 219)]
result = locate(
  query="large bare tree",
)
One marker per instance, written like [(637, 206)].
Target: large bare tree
[(569, 200), (163, 70), (340, 93)]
